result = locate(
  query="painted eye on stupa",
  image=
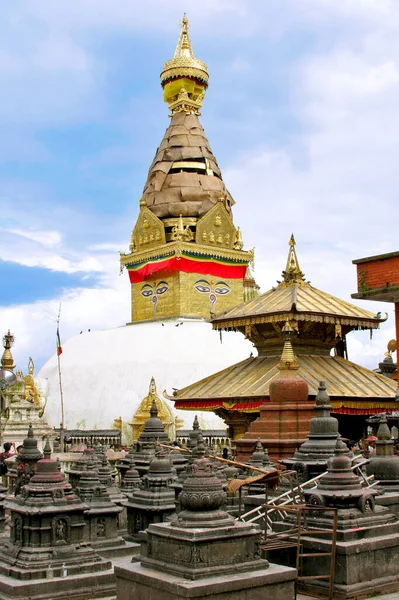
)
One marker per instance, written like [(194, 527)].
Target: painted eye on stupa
[(147, 290), (202, 286), (222, 288), (162, 288)]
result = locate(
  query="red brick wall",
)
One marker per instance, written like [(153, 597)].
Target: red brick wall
[(377, 274)]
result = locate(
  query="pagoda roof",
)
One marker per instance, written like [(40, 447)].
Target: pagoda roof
[(245, 385), (295, 298)]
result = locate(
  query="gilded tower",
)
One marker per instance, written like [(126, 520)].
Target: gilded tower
[(186, 256)]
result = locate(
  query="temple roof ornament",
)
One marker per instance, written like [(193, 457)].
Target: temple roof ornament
[(292, 271), (184, 77), (287, 361)]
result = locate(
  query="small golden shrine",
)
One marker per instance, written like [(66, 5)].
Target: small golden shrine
[(186, 257), (169, 422), (23, 404)]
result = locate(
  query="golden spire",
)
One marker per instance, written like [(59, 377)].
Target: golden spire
[(7, 361), (287, 360), (292, 271), (184, 78)]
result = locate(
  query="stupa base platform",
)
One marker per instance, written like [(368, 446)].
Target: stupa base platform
[(390, 500), (128, 549), (363, 566), (135, 582), (89, 586)]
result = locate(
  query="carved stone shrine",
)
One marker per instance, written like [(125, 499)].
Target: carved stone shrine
[(154, 500), (46, 555), (203, 551), (367, 550)]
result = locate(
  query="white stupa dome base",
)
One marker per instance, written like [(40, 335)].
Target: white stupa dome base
[(106, 374)]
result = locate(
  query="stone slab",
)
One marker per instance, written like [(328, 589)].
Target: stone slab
[(79, 587), (128, 549), (135, 582)]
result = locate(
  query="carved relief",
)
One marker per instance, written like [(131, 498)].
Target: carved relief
[(216, 228), (17, 530), (148, 233), (60, 530), (101, 527)]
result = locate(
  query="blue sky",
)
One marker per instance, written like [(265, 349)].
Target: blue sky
[(301, 113)]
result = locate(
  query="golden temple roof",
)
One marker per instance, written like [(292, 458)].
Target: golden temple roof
[(251, 378), (295, 298)]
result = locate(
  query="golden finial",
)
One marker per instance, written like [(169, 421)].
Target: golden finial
[(181, 232), (7, 361), (184, 77), (292, 271), (287, 360), (142, 202), (31, 366)]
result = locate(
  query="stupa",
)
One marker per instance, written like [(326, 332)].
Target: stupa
[(367, 548), (320, 323), (46, 555), (311, 458), (26, 461), (154, 500), (101, 514), (23, 404), (185, 262), (203, 552), (385, 468)]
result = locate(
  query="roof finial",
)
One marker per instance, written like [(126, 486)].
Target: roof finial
[(183, 47), (184, 77), (7, 361), (292, 271), (287, 361)]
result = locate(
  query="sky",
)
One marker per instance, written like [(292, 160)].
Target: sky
[(301, 114)]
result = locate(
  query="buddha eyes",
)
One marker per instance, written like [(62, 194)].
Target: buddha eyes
[(162, 289), (222, 290), (204, 289), (146, 292)]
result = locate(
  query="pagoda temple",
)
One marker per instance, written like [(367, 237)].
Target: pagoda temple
[(186, 256), (320, 323)]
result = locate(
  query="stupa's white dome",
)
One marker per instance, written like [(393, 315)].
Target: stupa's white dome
[(106, 374)]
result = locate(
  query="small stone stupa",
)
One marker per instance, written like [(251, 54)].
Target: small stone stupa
[(385, 468), (26, 462), (283, 423), (154, 500), (311, 459), (203, 551), (46, 555), (152, 433), (367, 549), (101, 514)]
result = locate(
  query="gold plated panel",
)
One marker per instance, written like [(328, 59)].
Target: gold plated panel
[(148, 232), (216, 228), (177, 294)]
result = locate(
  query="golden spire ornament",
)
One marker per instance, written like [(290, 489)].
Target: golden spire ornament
[(292, 271), (184, 78)]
